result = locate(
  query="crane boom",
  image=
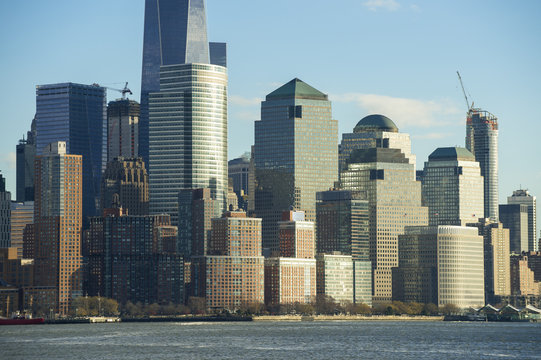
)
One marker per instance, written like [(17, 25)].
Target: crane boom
[(122, 91), (464, 91)]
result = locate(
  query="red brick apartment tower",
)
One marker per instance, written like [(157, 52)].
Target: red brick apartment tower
[(58, 221)]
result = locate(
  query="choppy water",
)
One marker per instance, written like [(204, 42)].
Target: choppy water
[(273, 340)]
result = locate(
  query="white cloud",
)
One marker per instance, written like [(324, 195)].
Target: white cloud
[(242, 101), (11, 160), (375, 5), (405, 112)]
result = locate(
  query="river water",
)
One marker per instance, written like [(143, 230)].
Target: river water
[(274, 340)]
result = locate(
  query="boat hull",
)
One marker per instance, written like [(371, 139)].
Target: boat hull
[(35, 321)]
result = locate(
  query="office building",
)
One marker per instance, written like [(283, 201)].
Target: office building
[(295, 154), (231, 275), (188, 135), (374, 131), (175, 33), (26, 153), (440, 265), (524, 197), (515, 218), (122, 129), (22, 214), (126, 178), (58, 223), (132, 258), (15, 271), (343, 226), (335, 277), (197, 208), (239, 170), (29, 239), (453, 187), (386, 178), (296, 236), (76, 114), (5, 215), (482, 142)]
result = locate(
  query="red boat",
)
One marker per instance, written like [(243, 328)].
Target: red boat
[(21, 321)]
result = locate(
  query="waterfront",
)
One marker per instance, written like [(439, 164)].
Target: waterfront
[(273, 340)]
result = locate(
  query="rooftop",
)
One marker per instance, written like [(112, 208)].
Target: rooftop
[(298, 89), (375, 122), (451, 153)]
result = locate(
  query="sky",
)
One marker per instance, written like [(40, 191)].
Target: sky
[(394, 57)]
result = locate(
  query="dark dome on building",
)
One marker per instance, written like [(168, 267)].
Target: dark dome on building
[(375, 122)]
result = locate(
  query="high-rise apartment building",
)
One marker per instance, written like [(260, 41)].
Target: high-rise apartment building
[(295, 154), (196, 209), (5, 215), (188, 135), (58, 223), (122, 129), (133, 258), (343, 226), (374, 131), (26, 153), (76, 114), (231, 275), (482, 142), (175, 33), (296, 236), (22, 214), (387, 179), (126, 180), (515, 218), (440, 265), (453, 187), (524, 279), (496, 256), (524, 197)]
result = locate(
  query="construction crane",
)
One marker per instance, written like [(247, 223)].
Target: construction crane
[(464, 91), (122, 91)]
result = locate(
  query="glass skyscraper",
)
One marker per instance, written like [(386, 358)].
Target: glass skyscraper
[(175, 33), (295, 154), (482, 141), (76, 114), (188, 135)]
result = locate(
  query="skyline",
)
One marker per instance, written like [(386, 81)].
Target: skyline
[(408, 75)]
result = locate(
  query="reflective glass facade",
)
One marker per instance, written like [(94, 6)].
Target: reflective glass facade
[(175, 33), (76, 114), (482, 141), (295, 154), (188, 135)]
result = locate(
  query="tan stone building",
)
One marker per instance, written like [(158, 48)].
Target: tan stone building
[(523, 277)]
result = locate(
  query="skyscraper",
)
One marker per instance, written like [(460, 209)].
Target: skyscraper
[(22, 214), (524, 197), (238, 170), (482, 142), (58, 221), (515, 218), (188, 135), (26, 152), (453, 187), (387, 179), (175, 33), (127, 178), (295, 154), (122, 129), (5, 215), (75, 114)]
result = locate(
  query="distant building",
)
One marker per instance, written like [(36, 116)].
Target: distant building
[(238, 170), (440, 265), (496, 256), (231, 275), (526, 274), (482, 142), (524, 197), (5, 215), (26, 153), (218, 53), (386, 178), (29, 239), (132, 258), (343, 226), (15, 271), (515, 218), (295, 154), (22, 214), (232, 198), (122, 129), (296, 236), (128, 179), (58, 223), (335, 277), (75, 114), (453, 187)]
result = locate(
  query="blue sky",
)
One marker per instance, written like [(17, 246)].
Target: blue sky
[(395, 57)]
